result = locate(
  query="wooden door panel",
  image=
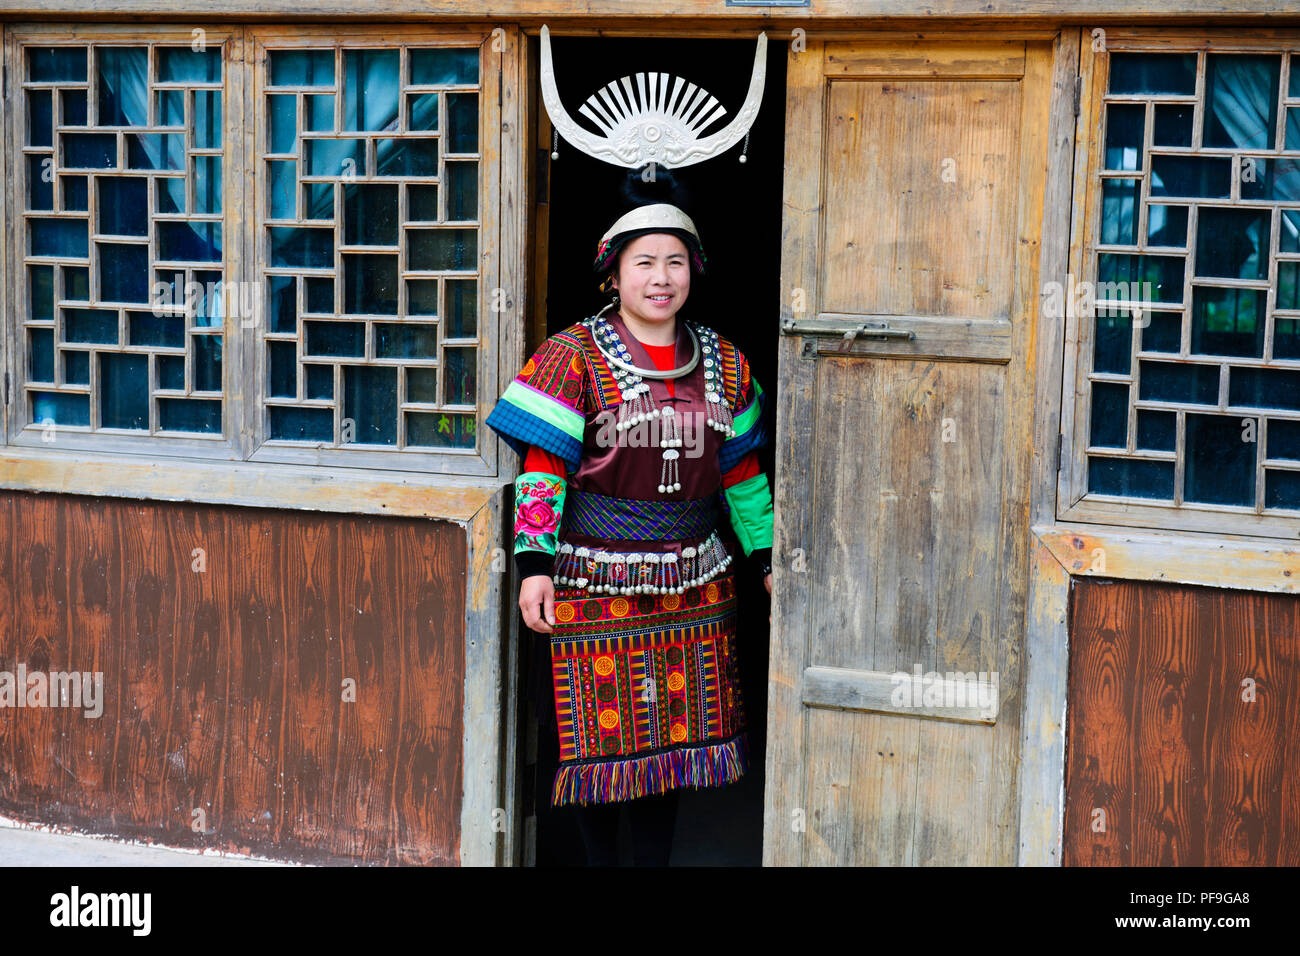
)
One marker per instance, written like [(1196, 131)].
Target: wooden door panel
[(914, 180)]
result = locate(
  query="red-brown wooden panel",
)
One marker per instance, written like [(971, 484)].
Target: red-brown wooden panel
[(1184, 705), (225, 636)]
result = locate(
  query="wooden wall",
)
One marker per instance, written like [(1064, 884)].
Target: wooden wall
[(1161, 736), (223, 685)]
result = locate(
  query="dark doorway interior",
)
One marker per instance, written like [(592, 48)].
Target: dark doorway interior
[(737, 210)]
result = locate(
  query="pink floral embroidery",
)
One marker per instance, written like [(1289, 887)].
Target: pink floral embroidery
[(536, 517)]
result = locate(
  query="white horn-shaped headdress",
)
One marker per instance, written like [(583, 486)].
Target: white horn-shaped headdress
[(662, 125)]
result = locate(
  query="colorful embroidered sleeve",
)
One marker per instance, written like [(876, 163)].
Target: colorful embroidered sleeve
[(543, 405), (749, 406), (539, 505), (750, 510)]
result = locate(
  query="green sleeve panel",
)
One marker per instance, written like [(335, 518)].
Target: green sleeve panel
[(539, 506), (751, 512)]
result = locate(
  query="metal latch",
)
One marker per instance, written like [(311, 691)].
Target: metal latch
[(869, 330)]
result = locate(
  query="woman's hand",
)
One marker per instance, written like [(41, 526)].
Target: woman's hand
[(537, 600), (767, 582)]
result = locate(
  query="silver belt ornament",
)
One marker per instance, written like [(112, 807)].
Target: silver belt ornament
[(633, 572)]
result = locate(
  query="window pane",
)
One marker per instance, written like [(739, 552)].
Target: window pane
[(1167, 382), (1228, 321), (1241, 99), (1153, 73), (1232, 243), (122, 85), (1220, 462), (444, 67), (1124, 135), (1167, 225), (1119, 211)]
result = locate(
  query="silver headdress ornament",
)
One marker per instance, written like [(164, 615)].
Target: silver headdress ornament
[(660, 121)]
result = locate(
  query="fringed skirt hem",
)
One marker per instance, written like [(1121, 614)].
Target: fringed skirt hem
[(607, 781)]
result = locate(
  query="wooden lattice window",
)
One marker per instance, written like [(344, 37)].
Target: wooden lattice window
[(268, 244), (1187, 410), (369, 163), (120, 261)]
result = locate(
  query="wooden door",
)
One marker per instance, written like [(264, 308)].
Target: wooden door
[(913, 203)]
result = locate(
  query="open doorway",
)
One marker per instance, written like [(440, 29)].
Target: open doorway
[(737, 209)]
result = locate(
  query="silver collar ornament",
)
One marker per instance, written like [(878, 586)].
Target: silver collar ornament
[(659, 120), (638, 404)]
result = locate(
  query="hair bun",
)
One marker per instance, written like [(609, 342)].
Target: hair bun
[(653, 183)]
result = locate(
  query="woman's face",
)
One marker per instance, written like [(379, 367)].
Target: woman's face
[(653, 277)]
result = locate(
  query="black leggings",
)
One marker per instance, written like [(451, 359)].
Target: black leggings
[(652, 820)]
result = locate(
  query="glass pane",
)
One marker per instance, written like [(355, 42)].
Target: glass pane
[(75, 194), (423, 203), (320, 382), (336, 338), (76, 367), (190, 415), (370, 400), (1292, 140), (318, 201), (89, 150), (422, 297), (406, 340), (460, 375), (462, 308), (40, 183), (40, 118), (58, 64), (40, 287), (60, 409), (440, 429), (370, 285), (76, 283), (302, 248), (1167, 225), (1264, 388), (1289, 237), (1153, 73), (171, 372), (189, 241), (283, 122), (1228, 321), (444, 66), (1232, 243), (1286, 338), (1163, 332), (1142, 278), (1241, 100), (301, 424), (207, 119), (1220, 466), (1283, 439), (1270, 179), (319, 115), (171, 108), (422, 112), (462, 190), (1124, 135), (369, 215), (407, 157), (438, 249), (207, 185), (207, 362), (1201, 177), (1173, 124), (282, 188), (1119, 209), (320, 295), (123, 390), (122, 75), (284, 369), (146, 328), (1282, 489), (462, 122), (123, 205), (171, 195), (187, 65), (74, 107), (1167, 382), (1156, 431), (208, 311), (59, 237), (422, 385), (123, 272), (156, 151), (1109, 425), (40, 351), (302, 67), (1113, 338), (334, 157), (284, 303), (98, 326), (369, 89)]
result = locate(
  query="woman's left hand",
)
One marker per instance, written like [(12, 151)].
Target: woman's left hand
[(767, 582)]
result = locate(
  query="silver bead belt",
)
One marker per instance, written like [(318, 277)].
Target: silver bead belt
[(636, 572)]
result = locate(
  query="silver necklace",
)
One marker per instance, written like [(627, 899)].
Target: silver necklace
[(638, 404)]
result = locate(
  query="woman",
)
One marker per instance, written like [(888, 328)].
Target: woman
[(639, 433)]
